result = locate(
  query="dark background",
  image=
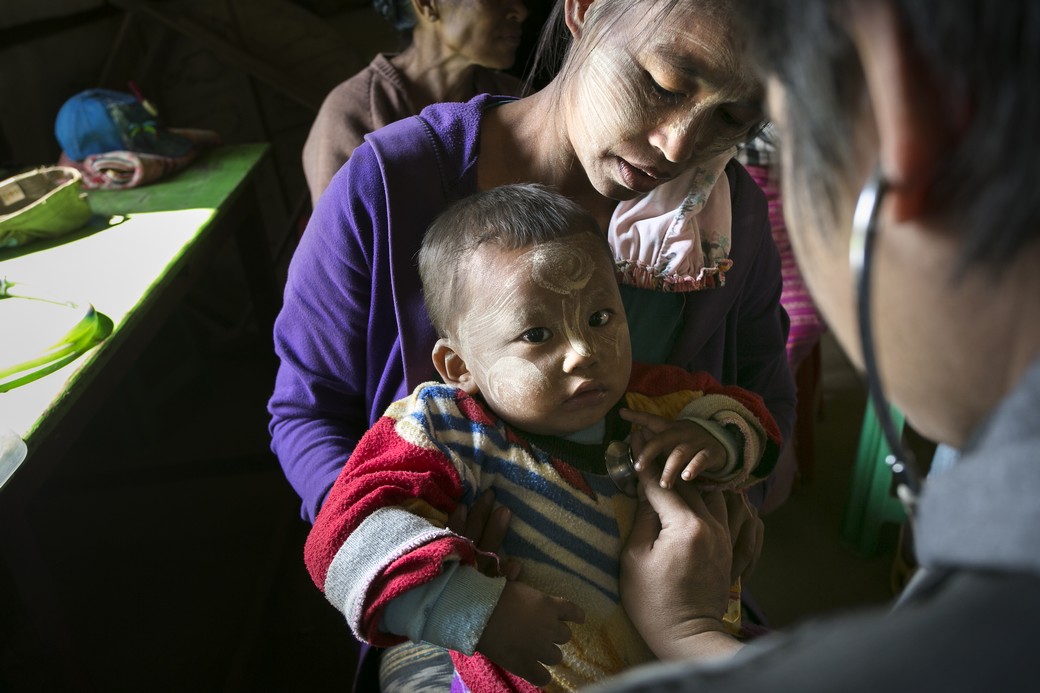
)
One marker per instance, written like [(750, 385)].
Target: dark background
[(171, 540)]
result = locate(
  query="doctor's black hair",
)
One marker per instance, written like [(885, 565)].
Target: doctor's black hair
[(984, 57)]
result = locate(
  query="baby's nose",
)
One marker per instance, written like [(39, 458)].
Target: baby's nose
[(580, 354)]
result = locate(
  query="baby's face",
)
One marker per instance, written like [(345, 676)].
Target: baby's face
[(545, 335)]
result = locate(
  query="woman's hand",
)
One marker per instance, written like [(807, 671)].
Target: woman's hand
[(685, 550), (486, 526), (747, 532)]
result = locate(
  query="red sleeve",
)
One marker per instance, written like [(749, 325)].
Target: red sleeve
[(383, 471)]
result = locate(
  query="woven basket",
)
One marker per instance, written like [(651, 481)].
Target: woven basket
[(43, 203)]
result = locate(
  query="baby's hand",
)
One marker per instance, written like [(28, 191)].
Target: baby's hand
[(525, 631), (688, 446)]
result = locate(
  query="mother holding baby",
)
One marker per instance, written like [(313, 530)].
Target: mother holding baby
[(639, 127)]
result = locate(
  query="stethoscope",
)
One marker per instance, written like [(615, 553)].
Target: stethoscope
[(861, 254), (88, 329)]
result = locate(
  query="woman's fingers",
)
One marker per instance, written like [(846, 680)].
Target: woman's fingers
[(477, 518), (486, 526), (748, 532), (511, 569), (708, 506), (671, 507), (645, 441), (495, 530), (569, 611), (636, 442)]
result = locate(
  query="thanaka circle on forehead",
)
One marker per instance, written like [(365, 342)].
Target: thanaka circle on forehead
[(559, 267), (562, 266)]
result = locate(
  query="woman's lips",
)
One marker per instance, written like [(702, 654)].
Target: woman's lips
[(638, 179)]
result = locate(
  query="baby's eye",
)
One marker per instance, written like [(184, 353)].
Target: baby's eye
[(536, 335), (600, 318)]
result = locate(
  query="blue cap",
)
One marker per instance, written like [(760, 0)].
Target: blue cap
[(101, 120)]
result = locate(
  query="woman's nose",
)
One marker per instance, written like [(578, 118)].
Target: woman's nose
[(677, 137)]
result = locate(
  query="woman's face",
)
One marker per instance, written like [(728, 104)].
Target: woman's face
[(484, 32), (655, 95)]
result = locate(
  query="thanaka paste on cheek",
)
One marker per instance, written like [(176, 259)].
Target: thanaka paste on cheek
[(611, 82), (512, 379)]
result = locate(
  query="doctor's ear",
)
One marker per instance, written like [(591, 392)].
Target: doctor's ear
[(452, 368), (916, 121)]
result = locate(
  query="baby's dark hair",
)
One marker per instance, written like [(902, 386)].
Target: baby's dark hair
[(511, 217)]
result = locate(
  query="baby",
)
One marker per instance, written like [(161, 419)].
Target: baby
[(538, 382)]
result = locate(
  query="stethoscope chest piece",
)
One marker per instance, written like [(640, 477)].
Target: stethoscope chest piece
[(621, 467)]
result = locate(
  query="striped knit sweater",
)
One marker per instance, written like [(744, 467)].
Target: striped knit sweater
[(382, 530)]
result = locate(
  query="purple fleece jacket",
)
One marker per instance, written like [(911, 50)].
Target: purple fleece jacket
[(353, 335)]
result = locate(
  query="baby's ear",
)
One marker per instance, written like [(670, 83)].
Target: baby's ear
[(452, 367)]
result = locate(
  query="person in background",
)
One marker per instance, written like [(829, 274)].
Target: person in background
[(535, 363), (455, 49), (896, 119)]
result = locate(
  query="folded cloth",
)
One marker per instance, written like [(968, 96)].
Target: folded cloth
[(677, 237), (116, 170)]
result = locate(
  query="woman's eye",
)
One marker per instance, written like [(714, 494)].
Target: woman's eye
[(600, 318), (728, 118), (736, 121), (536, 335), (662, 91)]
